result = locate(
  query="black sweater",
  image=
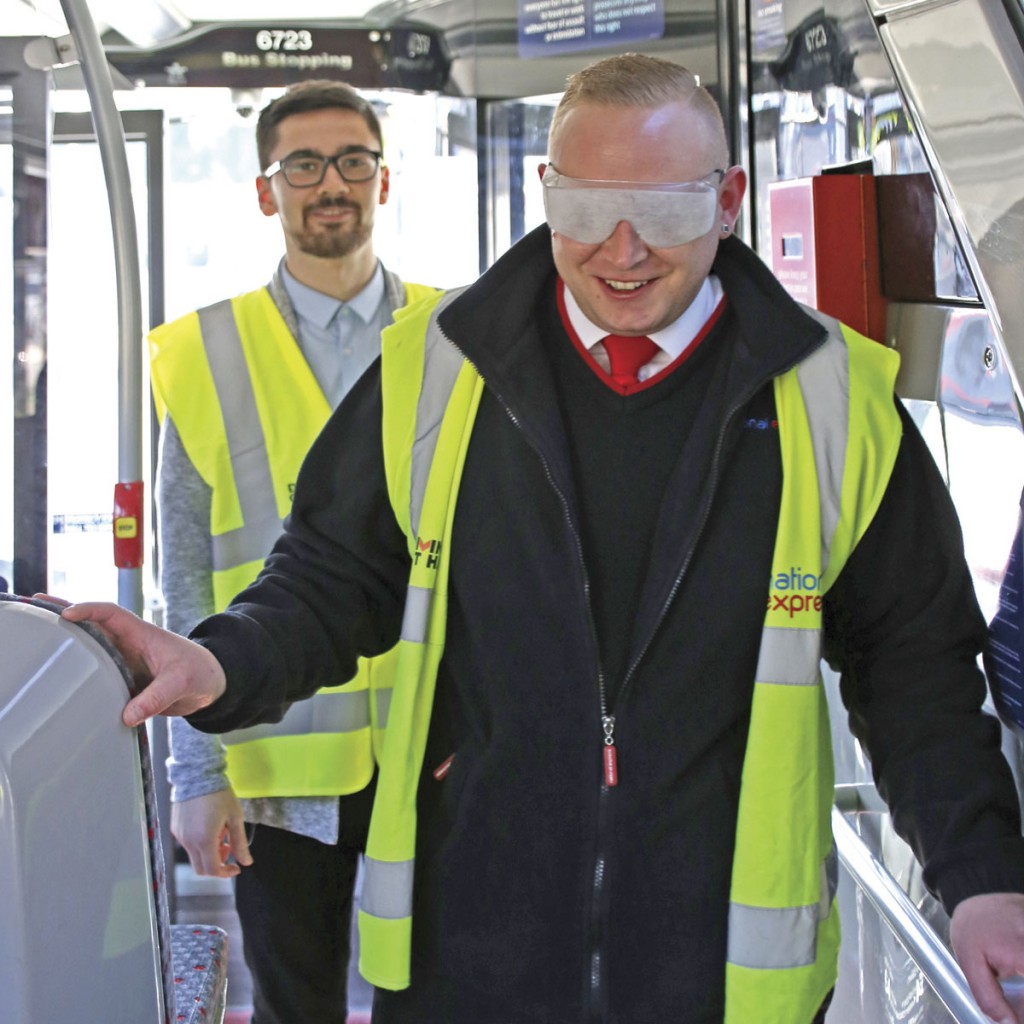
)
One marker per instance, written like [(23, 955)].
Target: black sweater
[(510, 921)]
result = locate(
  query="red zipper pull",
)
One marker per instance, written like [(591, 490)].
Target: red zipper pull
[(611, 759)]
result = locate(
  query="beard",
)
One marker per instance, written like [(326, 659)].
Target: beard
[(335, 240)]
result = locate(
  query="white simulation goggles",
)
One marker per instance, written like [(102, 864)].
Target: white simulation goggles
[(663, 213)]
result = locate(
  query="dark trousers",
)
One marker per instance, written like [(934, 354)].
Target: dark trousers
[(295, 908)]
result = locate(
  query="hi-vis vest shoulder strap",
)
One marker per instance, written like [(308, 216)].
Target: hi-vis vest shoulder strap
[(247, 408), (430, 396), (839, 433)]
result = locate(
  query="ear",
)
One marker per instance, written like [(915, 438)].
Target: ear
[(385, 185), (730, 195), (265, 194)]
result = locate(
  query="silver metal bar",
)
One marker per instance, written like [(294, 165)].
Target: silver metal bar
[(110, 136), (906, 922)]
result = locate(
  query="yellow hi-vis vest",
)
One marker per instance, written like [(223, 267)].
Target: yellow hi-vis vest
[(839, 433), (247, 408)]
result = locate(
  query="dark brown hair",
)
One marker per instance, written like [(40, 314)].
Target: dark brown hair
[(313, 94)]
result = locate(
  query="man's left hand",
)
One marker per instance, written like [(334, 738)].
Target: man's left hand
[(987, 934)]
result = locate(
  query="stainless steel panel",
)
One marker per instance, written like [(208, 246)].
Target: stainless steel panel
[(78, 926), (961, 71), (882, 8), (977, 425)]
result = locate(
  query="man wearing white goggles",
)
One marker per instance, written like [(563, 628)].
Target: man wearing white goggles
[(663, 214), (637, 200)]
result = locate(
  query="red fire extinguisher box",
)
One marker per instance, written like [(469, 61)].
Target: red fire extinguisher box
[(825, 247)]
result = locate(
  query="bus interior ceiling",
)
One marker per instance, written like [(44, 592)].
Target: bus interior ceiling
[(882, 188)]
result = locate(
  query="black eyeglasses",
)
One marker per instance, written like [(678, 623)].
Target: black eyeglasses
[(304, 170)]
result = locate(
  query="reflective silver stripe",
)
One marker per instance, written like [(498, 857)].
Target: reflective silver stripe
[(250, 465), (249, 543), (387, 889), (382, 698), (825, 385), (789, 657), (416, 614), (323, 712), (442, 362), (767, 938)]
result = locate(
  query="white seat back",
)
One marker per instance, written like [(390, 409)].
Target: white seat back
[(82, 931)]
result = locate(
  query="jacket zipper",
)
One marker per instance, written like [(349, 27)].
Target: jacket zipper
[(596, 981), (596, 988), (598, 996)]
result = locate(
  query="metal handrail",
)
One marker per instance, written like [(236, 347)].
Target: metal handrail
[(110, 136), (906, 922)]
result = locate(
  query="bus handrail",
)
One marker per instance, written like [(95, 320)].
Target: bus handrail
[(110, 136), (906, 922)]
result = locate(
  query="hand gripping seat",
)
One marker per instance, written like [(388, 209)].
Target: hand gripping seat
[(85, 930)]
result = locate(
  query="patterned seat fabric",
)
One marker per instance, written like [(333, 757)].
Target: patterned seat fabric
[(200, 955)]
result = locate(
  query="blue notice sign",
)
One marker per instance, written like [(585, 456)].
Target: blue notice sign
[(562, 26)]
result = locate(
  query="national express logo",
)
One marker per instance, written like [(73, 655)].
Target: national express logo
[(794, 592), (428, 549)]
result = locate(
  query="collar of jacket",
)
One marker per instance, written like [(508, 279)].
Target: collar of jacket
[(495, 324)]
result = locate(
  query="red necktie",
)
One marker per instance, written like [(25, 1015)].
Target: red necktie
[(626, 356)]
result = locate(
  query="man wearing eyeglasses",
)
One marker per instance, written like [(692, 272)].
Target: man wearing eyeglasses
[(615, 500), (242, 388)]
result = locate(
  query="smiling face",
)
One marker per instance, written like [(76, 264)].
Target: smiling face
[(622, 284), (335, 218)]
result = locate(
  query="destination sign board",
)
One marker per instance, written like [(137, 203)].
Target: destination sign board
[(255, 55)]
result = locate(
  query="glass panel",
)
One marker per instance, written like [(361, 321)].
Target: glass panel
[(6, 337), (517, 139), (217, 241), (82, 367), (427, 231), (824, 95), (878, 980)]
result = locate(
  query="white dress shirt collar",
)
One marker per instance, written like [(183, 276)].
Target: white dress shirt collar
[(672, 340)]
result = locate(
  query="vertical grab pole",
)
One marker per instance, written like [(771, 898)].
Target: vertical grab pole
[(128, 502)]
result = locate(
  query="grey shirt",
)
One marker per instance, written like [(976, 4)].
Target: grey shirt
[(339, 341)]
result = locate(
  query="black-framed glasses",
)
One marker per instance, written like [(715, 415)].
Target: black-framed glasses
[(304, 170)]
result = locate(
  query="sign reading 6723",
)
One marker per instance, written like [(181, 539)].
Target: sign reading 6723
[(284, 39)]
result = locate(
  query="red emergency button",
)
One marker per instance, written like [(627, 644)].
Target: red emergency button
[(128, 525)]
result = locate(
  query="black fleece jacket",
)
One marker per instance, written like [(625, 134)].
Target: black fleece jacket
[(541, 895)]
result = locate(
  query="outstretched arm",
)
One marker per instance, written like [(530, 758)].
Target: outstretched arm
[(176, 676)]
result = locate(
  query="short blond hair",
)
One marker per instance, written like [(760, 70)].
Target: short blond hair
[(637, 80)]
